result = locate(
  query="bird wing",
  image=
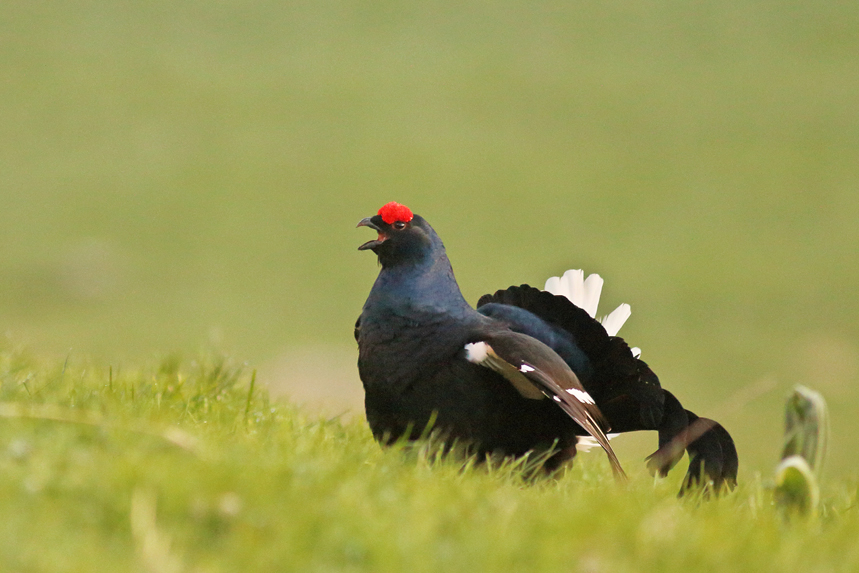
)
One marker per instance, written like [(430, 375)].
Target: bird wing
[(606, 363), (536, 371)]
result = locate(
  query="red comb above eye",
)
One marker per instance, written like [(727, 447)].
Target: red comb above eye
[(393, 211)]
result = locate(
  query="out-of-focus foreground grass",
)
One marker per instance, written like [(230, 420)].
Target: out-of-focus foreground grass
[(179, 467), (185, 174)]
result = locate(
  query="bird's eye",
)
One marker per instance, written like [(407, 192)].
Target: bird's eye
[(399, 225)]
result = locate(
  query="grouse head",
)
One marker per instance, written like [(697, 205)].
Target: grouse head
[(404, 238)]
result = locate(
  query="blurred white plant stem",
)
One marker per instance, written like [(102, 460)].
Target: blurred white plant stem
[(797, 491)]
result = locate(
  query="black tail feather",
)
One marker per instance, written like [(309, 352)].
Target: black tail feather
[(672, 437), (713, 460)]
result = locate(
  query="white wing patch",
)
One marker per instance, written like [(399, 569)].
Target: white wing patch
[(581, 396), (540, 384)]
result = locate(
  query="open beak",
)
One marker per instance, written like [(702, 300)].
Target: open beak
[(366, 222)]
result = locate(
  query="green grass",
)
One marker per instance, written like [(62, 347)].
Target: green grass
[(173, 468)]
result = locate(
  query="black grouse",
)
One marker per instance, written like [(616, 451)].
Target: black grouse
[(528, 371)]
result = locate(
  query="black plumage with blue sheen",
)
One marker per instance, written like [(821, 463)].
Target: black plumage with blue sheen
[(412, 336)]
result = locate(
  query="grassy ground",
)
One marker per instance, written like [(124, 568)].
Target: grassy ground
[(179, 467)]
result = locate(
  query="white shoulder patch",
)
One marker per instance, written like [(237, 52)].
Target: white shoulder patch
[(476, 352), (482, 354)]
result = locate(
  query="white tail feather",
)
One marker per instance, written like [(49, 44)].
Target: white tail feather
[(573, 286), (587, 443), (582, 292), (593, 290), (585, 293), (616, 319), (553, 285)]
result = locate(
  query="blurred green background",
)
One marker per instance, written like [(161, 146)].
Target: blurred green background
[(187, 175)]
